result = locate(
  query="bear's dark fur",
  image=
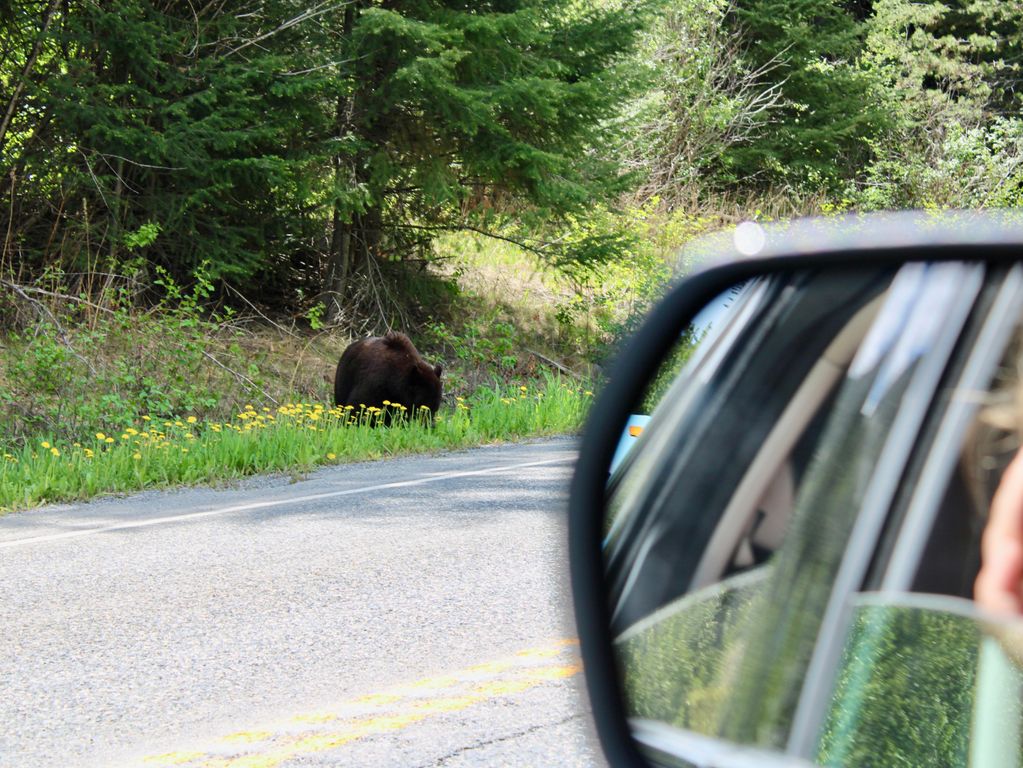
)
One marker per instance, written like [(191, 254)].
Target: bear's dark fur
[(390, 368)]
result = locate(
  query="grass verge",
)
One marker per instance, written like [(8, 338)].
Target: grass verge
[(295, 437)]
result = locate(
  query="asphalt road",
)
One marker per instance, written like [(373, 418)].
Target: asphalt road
[(410, 612)]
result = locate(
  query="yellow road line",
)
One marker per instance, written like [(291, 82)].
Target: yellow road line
[(384, 712)]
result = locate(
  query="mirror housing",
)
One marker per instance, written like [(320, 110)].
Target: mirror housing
[(858, 241)]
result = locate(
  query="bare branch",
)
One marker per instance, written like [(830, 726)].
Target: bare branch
[(241, 377), (312, 13), (44, 310)]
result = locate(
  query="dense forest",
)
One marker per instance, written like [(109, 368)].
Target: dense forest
[(298, 150), (348, 166)]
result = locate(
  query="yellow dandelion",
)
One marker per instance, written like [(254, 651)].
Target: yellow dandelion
[(331, 456), (145, 418), (191, 419), (524, 388), (100, 436), (44, 444), (125, 436), (109, 440), (136, 456), (588, 393), (54, 451)]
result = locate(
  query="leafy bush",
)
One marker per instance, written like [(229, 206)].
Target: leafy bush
[(73, 373), (951, 166), (609, 303)]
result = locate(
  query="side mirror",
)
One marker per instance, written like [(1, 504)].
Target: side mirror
[(780, 570)]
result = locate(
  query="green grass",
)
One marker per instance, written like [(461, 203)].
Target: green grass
[(295, 437)]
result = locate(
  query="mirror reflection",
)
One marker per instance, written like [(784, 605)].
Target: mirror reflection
[(794, 538)]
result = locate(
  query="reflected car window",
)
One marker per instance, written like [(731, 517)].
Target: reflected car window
[(925, 677), (719, 595), (665, 512)]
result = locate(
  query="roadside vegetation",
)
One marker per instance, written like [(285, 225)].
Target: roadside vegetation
[(200, 207), (294, 437)]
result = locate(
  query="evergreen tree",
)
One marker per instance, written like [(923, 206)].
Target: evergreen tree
[(821, 132), (948, 73), (453, 111), (145, 125), (314, 141)]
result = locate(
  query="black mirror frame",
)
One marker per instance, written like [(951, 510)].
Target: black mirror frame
[(639, 360)]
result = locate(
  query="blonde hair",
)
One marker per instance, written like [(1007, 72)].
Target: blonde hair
[(997, 432)]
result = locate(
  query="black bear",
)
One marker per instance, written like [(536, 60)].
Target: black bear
[(387, 368)]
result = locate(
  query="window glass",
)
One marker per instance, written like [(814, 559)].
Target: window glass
[(908, 689), (722, 572), (926, 677)]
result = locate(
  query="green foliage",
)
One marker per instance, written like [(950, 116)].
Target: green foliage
[(145, 235), (482, 341), (315, 315), (906, 690), (964, 167), (705, 100), (458, 116), (945, 78), (820, 132), (148, 452), (52, 382), (279, 142), (131, 120), (679, 670), (610, 301)]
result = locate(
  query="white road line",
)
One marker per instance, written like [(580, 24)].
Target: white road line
[(277, 503)]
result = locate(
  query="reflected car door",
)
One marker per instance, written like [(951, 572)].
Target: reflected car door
[(918, 677), (735, 653)]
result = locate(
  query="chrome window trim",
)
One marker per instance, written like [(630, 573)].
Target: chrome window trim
[(679, 747), (902, 437), (923, 507)]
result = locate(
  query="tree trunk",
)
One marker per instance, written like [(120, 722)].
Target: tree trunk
[(339, 258)]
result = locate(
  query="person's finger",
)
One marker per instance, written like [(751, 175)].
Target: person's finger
[(998, 586)]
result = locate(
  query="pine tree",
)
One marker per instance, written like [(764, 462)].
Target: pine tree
[(821, 132), (142, 117), (452, 110)]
